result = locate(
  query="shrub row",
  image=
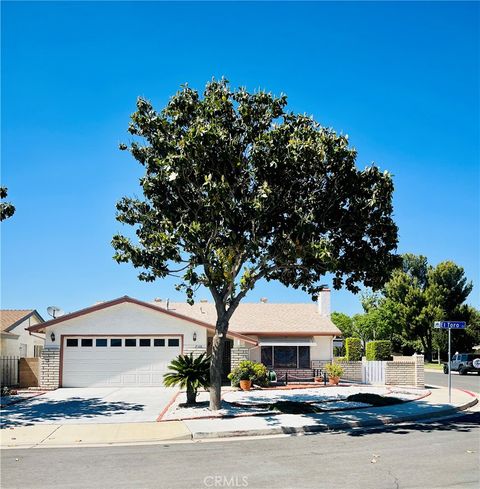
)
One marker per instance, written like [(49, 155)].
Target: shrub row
[(379, 350), (353, 348)]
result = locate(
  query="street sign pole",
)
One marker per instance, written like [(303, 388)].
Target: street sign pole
[(449, 366), (449, 325)]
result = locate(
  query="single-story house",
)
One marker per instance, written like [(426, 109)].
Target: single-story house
[(128, 342), (15, 340)]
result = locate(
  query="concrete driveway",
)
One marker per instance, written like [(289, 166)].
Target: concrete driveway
[(90, 405)]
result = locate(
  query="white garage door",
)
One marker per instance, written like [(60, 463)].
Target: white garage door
[(115, 361)]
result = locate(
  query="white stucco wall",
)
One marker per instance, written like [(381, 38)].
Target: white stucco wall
[(11, 347), (128, 319), (323, 349)]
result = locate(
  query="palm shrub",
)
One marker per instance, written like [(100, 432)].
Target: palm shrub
[(190, 373)]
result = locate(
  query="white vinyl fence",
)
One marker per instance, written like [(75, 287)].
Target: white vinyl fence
[(373, 372)]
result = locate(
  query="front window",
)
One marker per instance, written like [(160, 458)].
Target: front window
[(267, 356), (303, 357), (286, 356)]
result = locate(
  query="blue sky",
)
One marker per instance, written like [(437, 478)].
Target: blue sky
[(400, 78)]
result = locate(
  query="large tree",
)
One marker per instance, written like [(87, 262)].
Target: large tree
[(237, 189), (6, 209), (421, 294)]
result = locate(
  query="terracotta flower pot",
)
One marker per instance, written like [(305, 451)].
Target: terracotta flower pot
[(245, 385), (333, 380), (318, 379)]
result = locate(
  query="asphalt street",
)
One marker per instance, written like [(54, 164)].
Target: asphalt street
[(470, 381), (442, 454)]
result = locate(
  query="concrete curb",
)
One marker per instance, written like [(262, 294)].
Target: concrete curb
[(286, 430), (62, 436)]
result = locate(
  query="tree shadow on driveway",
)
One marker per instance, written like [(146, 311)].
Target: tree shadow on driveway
[(54, 411)]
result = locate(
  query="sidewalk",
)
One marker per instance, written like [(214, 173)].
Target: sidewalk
[(47, 436)]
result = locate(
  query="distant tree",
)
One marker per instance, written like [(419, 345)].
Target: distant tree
[(344, 323), (378, 321), (381, 317), (421, 294), (236, 189), (6, 209)]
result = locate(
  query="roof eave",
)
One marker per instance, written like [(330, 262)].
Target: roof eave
[(131, 300), (292, 333), (20, 321)]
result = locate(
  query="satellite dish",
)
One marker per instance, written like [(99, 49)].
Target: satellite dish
[(55, 311)]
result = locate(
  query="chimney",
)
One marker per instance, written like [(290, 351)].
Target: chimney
[(324, 303), (158, 299), (203, 301), (264, 300)]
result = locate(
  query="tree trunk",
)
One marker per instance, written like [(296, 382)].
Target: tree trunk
[(191, 394), (427, 347), (216, 366)]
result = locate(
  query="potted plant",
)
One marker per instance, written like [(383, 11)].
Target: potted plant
[(246, 373), (334, 372), (245, 381)]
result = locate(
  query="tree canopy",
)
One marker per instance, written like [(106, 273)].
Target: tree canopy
[(238, 189), (416, 295), (422, 294), (6, 209)]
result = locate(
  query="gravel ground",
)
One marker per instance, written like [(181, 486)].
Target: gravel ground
[(329, 399)]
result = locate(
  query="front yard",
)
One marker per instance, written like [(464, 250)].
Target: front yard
[(263, 402)]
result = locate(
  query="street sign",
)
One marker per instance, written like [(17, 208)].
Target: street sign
[(449, 324)]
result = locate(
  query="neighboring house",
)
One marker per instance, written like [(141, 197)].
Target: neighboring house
[(15, 340), (127, 342)]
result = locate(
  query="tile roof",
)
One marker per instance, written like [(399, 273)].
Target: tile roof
[(12, 316), (259, 317)]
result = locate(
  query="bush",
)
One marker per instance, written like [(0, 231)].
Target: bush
[(353, 348), (189, 372), (379, 350), (340, 359), (248, 370), (338, 351), (334, 370)]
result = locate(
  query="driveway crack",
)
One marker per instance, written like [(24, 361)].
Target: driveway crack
[(395, 479)]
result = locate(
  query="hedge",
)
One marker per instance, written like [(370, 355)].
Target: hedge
[(353, 348), (379, 350)]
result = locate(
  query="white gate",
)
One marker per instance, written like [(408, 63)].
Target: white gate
[(373, 372)]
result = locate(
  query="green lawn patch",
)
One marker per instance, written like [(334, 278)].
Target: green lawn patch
[(434, 366)]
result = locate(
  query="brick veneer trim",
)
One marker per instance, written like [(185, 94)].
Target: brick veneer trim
[(50, 369)]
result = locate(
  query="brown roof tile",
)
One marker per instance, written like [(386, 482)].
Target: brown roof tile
[(259, 317), (11, 316)]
